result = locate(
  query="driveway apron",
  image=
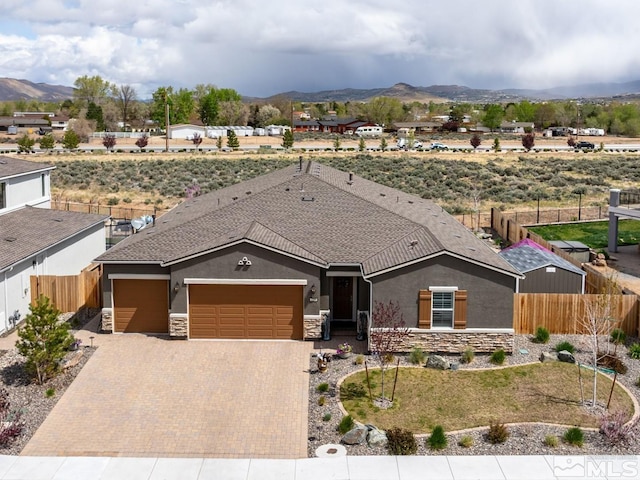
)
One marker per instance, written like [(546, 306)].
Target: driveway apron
[(146, 396)]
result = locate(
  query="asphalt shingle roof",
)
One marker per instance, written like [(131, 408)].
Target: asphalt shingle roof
[(29, 230), (10, 167), (526, 258), (318, 214)]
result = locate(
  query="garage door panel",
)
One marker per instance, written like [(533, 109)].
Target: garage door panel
[(141, 305), (245, 311)]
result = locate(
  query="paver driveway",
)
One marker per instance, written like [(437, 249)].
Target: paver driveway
[(145, 396)]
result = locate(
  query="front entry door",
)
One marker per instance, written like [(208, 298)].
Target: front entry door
[(342, 298)]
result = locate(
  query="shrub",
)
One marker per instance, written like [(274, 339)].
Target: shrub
[(498, 357), (359, 360), (634, 351), (326, 417), (437, 440), (574, 436), (11, 423), (466, 441), (417, 356), (142, 141), (350, 391), (70, 140), (322, 387), (113, 201), (26, 143), (551, 441), (613, 427), (50, 392), (565, 346), (498, 432), (401, 442), (612, 362), (345, 424), (322, 400), (618, 336), (467, 356), (47, 142), (109, 141), (541, 335), (43, 340)]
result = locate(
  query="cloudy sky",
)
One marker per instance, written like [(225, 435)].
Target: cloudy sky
[(264, 47)]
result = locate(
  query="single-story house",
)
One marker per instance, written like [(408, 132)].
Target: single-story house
[(288, 254), (186, 131), (35, 240), (516, 127), (545, 272)]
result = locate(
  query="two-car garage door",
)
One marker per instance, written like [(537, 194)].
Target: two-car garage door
[(245, 311)]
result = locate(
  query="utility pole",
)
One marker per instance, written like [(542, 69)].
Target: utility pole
[(166, 120)]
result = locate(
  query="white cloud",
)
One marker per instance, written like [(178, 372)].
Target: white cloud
[(262, 48)]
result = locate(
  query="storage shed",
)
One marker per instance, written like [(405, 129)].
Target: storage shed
[(545, 272)]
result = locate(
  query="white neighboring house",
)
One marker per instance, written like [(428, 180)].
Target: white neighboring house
[(185, 131), (35, 240)]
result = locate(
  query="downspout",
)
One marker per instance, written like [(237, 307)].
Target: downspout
[(6, 302), (370, 306)]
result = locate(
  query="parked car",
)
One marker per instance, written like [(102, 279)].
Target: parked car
[(404, 144), (438, 146), (584, 145)]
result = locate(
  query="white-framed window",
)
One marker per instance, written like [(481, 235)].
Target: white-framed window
[(442, 306)]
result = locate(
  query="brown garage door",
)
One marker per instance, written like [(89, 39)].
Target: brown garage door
[(245, 311), (141, 306)]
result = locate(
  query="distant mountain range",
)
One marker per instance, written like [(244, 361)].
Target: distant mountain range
[(13, 89)]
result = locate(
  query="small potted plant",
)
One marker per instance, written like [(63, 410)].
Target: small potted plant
[(344, 350)]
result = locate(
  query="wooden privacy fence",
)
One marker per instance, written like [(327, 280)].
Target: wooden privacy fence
[(69, 293), (562, 312)]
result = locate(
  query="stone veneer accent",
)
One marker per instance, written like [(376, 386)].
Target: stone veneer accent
[(178, 325), (312, 327), (106, 323), (457, 341)]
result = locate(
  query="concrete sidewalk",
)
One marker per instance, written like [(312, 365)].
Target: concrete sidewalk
[(342, 468)]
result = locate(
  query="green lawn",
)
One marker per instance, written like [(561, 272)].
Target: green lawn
[(544, 392), (593, 234)]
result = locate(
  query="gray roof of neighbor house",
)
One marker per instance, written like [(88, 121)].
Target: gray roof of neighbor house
[(526, 258), (11, 167), (317, 214), (28, 231)]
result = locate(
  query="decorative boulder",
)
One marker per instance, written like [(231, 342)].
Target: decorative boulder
[(566, 356), (547, 357), (376, 437), (355, 436), (438, 362)]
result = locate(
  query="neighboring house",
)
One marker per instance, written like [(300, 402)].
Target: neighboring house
[(186, 131), (516, 127), (289, 254), (59, 123), (417, 127), (306, 125), (38, 241), (545, 272)]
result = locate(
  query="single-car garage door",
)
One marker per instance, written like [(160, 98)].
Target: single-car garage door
[(141, 306), (245, 311)]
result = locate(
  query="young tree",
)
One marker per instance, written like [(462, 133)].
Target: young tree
[(197, 140), (43, 340), (597, 323), (387, 335), (70, 140), (571, 141), (475, 141), (287, 139), (47, 142), (109, 141), (25, 144), (383, 144), (336, 143), (496, 144), (219, 142), (528, 141), (362, 145), (232, 140), (142, 141)]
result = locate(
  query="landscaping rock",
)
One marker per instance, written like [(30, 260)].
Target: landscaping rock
[(566, 356), (548, 357), (376, 437), (355, 436), (438, 362)]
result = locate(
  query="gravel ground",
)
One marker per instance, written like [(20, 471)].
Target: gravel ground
[(525, 439), (30, 398)]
